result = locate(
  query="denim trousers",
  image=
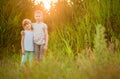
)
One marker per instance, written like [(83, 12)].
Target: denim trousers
[(27, 54)]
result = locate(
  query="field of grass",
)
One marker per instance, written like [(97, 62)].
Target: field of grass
[(59, 66), (84, 40), (60, 62)]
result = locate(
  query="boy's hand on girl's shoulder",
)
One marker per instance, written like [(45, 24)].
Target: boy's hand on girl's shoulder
[(22, 32)]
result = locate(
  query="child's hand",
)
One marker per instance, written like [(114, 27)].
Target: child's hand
[(23, 52), (45, 48)]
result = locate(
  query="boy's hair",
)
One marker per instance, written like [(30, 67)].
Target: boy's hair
[(38, 12), (26, 21)]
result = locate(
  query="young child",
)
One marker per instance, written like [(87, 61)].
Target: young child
[(40, 35), (27, 44)]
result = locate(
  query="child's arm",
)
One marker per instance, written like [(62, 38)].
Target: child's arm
[(22, 41), (46, 39)]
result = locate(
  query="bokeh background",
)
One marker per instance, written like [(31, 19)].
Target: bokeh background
[(84, 39)]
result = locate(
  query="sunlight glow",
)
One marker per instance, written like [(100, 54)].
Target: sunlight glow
[(46, 3)]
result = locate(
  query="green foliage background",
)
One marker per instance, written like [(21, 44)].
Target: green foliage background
[(84, 39), (77, 18)]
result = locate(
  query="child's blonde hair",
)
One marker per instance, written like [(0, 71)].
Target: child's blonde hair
[(25, 22)]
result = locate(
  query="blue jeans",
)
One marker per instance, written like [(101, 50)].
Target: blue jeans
[(27, 54)]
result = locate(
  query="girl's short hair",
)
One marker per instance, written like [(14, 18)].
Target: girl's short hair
[(25, 22)]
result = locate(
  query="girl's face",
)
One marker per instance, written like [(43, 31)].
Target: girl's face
[(38, 17), (28, 26)]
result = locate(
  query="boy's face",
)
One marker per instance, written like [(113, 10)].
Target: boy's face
[(38, 16)]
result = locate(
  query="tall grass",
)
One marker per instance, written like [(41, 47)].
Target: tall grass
[(77, 47), (62, 67), (100, 45), (11, 14)]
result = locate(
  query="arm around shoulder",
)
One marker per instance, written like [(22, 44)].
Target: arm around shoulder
[(22, 33)]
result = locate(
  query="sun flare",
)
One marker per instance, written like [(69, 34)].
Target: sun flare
[(46, 3)]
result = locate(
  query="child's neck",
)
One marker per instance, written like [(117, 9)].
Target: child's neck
[(38, 22), (28, 29)]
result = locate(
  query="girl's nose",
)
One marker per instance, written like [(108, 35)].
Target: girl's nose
[(27, 25)]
